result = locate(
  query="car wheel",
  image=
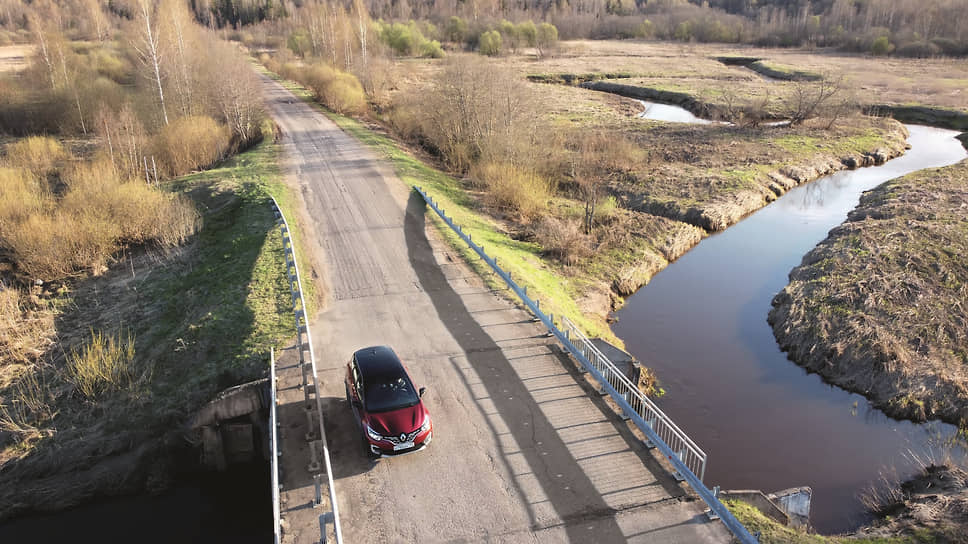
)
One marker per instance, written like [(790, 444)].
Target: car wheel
[(367, 452)]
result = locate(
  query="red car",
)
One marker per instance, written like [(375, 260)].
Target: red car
[(393, 418)]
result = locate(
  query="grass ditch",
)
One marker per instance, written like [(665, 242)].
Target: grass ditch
[(169, 330)]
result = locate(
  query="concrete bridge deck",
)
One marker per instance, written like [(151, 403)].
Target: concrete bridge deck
[(524, 450)]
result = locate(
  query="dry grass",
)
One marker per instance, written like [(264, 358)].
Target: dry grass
[(25, 333), (563, 240), (514, 189), (103, 365)]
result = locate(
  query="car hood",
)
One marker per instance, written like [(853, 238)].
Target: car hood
[(399, 421)]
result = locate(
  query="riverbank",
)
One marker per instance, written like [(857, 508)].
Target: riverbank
[(931, 507), (200, 319), (879, 306)]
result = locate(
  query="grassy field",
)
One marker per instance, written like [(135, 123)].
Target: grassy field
[(936, 82), (195, 320), (880, 306)]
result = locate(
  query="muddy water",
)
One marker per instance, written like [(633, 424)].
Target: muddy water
[(764, 422)]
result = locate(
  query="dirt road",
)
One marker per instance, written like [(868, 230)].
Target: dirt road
[(524, 451)]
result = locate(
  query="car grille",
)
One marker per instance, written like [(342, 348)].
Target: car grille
[(407, 438)]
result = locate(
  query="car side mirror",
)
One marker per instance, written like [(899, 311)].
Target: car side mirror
[(422, 391)]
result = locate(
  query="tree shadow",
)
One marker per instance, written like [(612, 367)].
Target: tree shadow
[(567, 488)]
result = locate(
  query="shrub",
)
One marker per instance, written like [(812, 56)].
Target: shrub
[(490, 43), (527, 33), (21, 195), (190, 143), (562, 240), (111, 66), (57, 245), (514, 189), (298, 42), (103, 365), (431, 50), (547, 38), (455, 30), (881, 46), (40, 155)]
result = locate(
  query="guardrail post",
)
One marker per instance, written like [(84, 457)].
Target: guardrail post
[(318, 500), (679, 477)]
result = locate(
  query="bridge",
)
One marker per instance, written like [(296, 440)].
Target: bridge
[(533, 441)]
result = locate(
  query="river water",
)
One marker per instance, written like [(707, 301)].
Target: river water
[(207, 507), (763, 421)]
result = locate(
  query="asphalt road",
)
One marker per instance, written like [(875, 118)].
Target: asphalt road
[(524, 450)]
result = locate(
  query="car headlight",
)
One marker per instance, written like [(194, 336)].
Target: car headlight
[(426, 424), (373, 434)]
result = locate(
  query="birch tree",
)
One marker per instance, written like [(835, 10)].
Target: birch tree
[(148, 47)]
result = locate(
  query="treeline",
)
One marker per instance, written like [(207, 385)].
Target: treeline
[(902, 27)]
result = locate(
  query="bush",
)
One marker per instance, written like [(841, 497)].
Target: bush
[(21, 195), (490, 43), (881, 46), (431, 50), (455, 30), (528, 33), (190, 143), (918, 50), (514, 189), (563, 240), (39, 155), (337, 90), (547, 38)]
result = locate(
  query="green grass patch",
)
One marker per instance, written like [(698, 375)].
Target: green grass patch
[(772, 532), (240, 303)]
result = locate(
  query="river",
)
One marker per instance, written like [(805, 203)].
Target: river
[(763, 421), (201, 507)]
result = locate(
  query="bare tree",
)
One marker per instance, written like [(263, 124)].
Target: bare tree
[(238, 98), (149, 48), (809, 97), (179, 31), (363, 23)]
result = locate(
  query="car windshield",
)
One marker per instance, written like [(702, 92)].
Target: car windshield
[(390, 394)]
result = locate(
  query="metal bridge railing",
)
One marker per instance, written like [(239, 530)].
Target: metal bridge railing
[(605, 377), (310, 387), (274, 450), (665, 428)]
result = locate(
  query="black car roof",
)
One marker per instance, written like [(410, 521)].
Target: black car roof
[(379, 363)]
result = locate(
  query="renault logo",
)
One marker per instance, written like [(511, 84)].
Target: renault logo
[(403, 437)]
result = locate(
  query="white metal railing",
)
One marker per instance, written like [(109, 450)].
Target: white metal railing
[(669, 429), (274, 449), (307, 363)]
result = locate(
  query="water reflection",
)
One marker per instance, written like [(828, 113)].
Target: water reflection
[(764, 422), (672, 114)]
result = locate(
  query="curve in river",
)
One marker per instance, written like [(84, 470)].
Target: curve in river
[(764, 422)]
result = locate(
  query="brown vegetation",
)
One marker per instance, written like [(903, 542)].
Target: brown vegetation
[(879, 306), (934, 502)]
